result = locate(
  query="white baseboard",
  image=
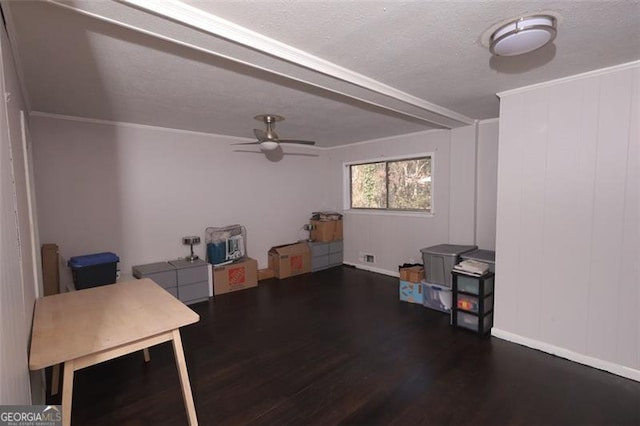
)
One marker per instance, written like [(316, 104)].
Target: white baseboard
[(600, 364), (372, 269)]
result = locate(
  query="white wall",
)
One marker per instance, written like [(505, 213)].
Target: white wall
[(568, 219), (137, 191), (17, 278)]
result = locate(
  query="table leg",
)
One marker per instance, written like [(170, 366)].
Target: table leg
[(67, 392), (184, 378), (55, 379), (147, 357)]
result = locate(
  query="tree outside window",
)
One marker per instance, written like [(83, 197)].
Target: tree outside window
[(392, 185)]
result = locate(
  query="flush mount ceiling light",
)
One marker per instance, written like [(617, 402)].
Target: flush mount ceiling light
[(523, 35)]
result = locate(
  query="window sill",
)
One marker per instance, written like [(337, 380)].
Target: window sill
[(387, 213)]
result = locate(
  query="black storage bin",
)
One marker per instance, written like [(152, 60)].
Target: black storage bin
[(92, 270)]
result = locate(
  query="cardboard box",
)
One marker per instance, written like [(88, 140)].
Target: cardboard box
[(414, 274), (265, 274), (289, 260), (326, 230), (235, 276), (50, 269), (411, 292)]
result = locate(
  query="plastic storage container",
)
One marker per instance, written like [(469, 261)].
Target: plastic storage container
[(469, 284), (484, 256), (440, 260), (92, 270), (436, 297), (472, 322), (472, 303)]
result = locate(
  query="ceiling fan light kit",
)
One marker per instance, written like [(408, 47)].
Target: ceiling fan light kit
[(268, 145), (268, 139), (523, 35)]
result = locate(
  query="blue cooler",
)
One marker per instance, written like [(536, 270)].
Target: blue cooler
[(92, 270)]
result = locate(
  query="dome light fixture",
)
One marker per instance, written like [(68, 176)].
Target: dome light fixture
[(523, 35)]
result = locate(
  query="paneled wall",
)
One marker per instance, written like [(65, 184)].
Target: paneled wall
[(460, 193), (17, 280), (568, 219), (487, 182), (462, 185), (393, 238)]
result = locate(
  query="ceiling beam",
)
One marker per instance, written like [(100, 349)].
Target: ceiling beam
[(190, 16), (282, 60)]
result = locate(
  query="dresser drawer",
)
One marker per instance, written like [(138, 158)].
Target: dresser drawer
[(335, 259), (195, 292), (163, 273), (336, 247), (318, 249)]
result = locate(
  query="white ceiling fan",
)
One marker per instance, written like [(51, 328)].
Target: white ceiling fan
[(269, 140)]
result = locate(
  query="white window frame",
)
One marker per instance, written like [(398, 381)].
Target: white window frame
[(346, 186)]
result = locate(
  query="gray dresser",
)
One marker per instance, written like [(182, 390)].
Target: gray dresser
[(325, 255), (185, 280), (193, 280)]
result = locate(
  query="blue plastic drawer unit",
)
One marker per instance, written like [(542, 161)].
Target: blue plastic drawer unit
[(92, 270)]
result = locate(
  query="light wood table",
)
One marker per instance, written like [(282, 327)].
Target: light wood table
[(86, 327)]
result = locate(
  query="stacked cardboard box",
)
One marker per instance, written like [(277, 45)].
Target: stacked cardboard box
[(414, 273), (326, 227), (410, 283), (326, 230), (411, 292), (415, 289)]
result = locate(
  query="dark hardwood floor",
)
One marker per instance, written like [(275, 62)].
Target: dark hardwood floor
[(339, 347)]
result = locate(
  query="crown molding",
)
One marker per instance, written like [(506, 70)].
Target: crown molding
[(581, 76), (142, 126)]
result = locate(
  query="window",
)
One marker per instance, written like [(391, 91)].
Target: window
[(392, 185)]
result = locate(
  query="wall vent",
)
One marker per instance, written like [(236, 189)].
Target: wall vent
[(367, 258)]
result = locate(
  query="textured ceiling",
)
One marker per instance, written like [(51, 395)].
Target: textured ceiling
[(84, 62)]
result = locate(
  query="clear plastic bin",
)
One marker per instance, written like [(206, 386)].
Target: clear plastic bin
[(469, 284), (472, 303), (470, 322), (437, 297)]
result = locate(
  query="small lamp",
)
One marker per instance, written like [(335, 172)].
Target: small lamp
[(190, 241)]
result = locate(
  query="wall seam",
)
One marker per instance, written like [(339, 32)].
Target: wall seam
[(593, 207)]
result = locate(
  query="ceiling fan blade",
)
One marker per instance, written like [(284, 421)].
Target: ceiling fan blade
[(297, 142), (261, 135), (247, 143)]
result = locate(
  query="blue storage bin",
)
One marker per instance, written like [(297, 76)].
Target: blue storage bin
[(92, 270)]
